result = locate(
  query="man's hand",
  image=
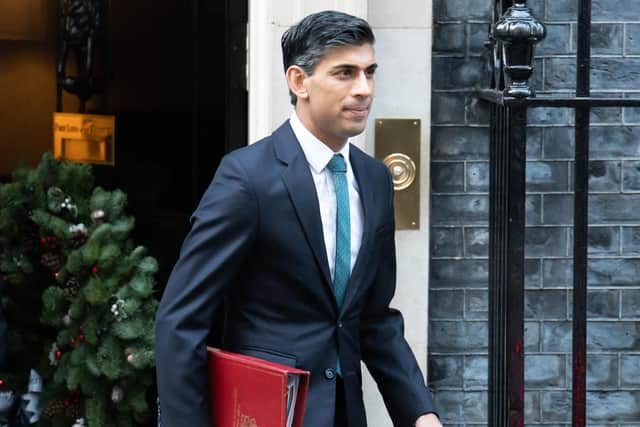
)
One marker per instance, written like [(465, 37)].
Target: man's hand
[(428, 420)]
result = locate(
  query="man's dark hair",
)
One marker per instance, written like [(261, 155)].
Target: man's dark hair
[(305, 43)]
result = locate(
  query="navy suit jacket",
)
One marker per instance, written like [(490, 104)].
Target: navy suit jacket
[(256, 242)]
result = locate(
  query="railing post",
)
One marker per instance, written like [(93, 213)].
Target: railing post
[(506, 270), (514, 35), (581, 217)]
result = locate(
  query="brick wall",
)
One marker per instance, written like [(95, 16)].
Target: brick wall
[(458, 330)]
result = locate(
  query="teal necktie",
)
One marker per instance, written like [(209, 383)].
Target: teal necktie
[(342, 268)]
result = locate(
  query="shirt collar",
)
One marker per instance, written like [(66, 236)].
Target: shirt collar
[(317, 153)]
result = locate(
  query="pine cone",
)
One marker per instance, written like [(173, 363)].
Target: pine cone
[(71, 288), (78, 239), (52, 261), (56, 407), (74, 410), (79, 235)]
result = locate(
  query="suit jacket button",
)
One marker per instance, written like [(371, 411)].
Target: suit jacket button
[(329, 373)]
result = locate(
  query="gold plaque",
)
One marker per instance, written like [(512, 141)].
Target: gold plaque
[(398, 146), (84, 138)]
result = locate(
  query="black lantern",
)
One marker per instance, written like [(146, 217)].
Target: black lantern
[(517, 32)]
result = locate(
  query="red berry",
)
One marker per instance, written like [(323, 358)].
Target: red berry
[(1, 382), (94, 269), (72, 341), (81, 338), (81, 328), (58, 354), (56, 274)]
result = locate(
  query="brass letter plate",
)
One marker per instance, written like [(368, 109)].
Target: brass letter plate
[(84, 138), (398, 146)]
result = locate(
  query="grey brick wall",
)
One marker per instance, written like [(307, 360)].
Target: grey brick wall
[(458, 330)]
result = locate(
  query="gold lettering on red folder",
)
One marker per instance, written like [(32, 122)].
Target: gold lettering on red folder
[(247, 421), (241, 420)]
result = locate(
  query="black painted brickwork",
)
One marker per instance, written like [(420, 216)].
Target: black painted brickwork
[(459, 218)]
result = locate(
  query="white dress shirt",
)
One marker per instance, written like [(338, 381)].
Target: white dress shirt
[(318, 155)]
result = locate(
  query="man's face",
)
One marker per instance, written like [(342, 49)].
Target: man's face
[(340, 92)]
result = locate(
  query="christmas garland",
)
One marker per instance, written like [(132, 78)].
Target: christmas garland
[(79, 302)]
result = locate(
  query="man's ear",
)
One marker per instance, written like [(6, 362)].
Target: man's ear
[(296, 77)]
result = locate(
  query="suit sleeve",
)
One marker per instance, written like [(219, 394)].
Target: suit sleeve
[(223, 229), (384, 348)]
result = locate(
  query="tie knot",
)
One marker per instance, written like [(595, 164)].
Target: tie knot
[(337, 164)]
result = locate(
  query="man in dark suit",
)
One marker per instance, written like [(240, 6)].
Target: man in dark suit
[(296, 235)]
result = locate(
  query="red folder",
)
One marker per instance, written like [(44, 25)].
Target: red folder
[(250, 392)]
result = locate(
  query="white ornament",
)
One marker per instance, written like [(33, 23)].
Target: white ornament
[(79, 423), (31, 407), (35, 382), (77, 228), (6, 401), (68, 205), (117, 394), (117, 309), (97, 216), (53, 360), (31, 400)]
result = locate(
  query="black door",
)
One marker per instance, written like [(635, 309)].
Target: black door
[(179, 96)]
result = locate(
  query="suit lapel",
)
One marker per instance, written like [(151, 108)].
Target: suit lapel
[(358, 159), (299, 182)]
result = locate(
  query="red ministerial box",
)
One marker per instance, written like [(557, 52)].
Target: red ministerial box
[(249, 392)]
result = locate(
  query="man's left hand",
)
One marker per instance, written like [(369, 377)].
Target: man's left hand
[(428, 420)]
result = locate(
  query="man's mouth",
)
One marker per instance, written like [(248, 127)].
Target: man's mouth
[(358, 112)]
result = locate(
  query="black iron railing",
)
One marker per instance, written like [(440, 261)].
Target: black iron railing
[(513, 35)]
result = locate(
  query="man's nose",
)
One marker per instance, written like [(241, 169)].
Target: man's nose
[(363, 85)]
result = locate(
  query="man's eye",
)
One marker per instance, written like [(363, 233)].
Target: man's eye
[(344, 73)]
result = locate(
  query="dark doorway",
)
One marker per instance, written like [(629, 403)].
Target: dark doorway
[(180, 100), (179, 96)]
